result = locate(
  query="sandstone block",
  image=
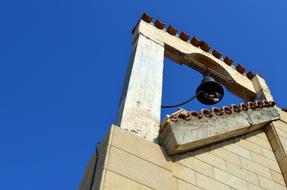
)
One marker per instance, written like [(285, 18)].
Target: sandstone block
[(265, 162), (183, 172), (230, 180), (277, 177), (211, 159), (114, 181), (254, 187), (238, 150), (259, 141), (209, 183), (197, 165), (226, 155), (256, 168), (140, 147), (139, 170), (242, 173), (268, 154), (181, 185), (270, 185), (249, 146)]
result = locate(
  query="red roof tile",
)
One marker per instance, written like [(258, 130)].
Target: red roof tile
[(233, 108)]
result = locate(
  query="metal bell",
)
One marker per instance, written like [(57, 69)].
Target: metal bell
[(209, 91)]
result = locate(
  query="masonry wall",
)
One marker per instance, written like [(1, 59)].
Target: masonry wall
[(245, 162), (277, 136)]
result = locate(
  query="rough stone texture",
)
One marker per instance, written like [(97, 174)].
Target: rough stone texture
[(141, 97), (184, 135)]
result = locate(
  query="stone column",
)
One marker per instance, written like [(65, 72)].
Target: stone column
[(140, 104)]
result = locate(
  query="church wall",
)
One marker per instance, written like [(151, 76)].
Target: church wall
[(277, 136), (245, 162)]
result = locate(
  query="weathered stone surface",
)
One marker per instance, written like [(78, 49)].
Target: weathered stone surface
[(182, 136), (141, 97)]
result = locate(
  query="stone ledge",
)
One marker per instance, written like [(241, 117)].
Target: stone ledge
[(182, 136)]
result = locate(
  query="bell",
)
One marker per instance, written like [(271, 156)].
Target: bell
[(209, 91)]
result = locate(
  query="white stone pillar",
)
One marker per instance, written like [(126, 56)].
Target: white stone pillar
[(141, 97)]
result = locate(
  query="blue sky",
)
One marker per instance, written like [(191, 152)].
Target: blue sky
[(62, 66)]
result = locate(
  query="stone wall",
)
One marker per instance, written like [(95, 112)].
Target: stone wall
[(245, 162)]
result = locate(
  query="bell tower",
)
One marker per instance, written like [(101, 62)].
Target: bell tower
[(240, 146)]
